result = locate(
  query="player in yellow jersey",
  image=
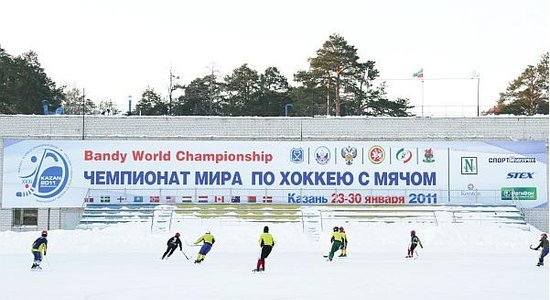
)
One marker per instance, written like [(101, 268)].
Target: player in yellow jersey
[(267, 242), (344, 246), (208, 240), (336, 240), (39, 248)]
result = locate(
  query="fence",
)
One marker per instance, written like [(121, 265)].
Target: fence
[(281, 196)]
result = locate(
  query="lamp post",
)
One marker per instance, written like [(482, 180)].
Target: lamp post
[(83, 110), (477, 77), (172, 88), (129, 105), (170, 95)]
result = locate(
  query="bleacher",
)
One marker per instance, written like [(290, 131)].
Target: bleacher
[(104, 214)]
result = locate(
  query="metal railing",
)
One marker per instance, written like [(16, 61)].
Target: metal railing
[(288, 196)]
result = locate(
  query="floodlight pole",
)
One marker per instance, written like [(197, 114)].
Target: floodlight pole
[(478, 94), (83, 110)]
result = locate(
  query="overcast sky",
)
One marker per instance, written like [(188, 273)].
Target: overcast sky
[(114, 49)]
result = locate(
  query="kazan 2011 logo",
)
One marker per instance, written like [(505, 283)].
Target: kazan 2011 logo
[(44, 172)]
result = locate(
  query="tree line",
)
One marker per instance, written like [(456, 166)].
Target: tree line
[(337, 83)]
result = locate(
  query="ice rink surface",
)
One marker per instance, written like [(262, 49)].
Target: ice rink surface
[(123, 262)]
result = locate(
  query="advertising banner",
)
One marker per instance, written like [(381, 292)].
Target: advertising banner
[(64, 173)]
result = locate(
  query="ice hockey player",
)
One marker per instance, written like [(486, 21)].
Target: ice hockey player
[(344, 246), (172, 244), (415, 241), (336, 240), (208, 240), (39, 247), (267, 242), (544, 245)]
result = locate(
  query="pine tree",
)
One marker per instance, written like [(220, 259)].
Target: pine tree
[(527, 94), (341, 83), (202, 97), (151, 104), (241, 88), (24, 84)]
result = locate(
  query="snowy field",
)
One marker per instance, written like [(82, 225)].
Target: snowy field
[(123, 262)]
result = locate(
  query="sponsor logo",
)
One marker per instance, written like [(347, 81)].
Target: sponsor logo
[(470, 192), (520, 175), (44, 172), (468, 165), (428, 156), (512, 160), (349, 153), (297, 155), (404, 155), (518, 193), (322, 155), (377, 154)]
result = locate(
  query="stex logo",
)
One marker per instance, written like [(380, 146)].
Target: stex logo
[(468, 165)]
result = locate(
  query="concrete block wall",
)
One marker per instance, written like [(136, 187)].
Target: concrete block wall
[(538, 217), (6, 219), (275, 128), (483, 128)]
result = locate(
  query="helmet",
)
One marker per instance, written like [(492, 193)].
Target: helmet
[(544, 235), (341, 229), (266, 229), (44, 233), (413, 232), (335, 228), (177, 234)]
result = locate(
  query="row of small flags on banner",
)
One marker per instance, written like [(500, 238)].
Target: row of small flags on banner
[(185, 199)]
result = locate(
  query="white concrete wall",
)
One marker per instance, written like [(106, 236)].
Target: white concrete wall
[(5, 219), (276, 128)]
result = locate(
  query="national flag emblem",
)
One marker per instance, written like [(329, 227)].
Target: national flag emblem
[(251, 199), (170, 199), (203, 199), (236, 199), (88, 200), (105, 199), (121, 199), (138, 199), (154, 199), (267, 199), (218, 199), (186, 199), (419, 73)]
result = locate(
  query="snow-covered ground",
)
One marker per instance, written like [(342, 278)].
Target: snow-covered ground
[(123, 262)]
